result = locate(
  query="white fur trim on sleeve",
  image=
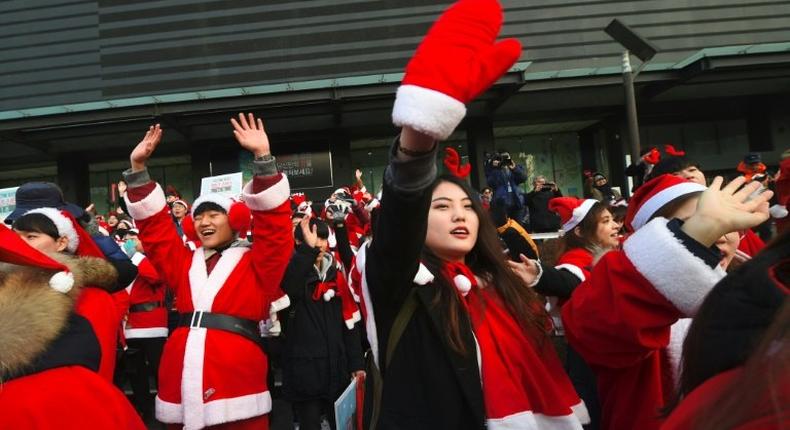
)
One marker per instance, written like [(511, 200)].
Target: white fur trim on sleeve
[(149, 206), (137, 258), (269, 198), (575, 270), (427, 111), (680, 276)]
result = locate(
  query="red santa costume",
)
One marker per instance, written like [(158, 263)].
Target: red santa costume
[(627, 319), (94, 302), (49, 354), (210, 376), (147, 313)]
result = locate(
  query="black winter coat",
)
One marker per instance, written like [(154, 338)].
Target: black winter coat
[(319, 351), (427, 385)]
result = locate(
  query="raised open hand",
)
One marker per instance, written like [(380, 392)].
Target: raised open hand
[(723, 210), (251, 135), (142, 152)]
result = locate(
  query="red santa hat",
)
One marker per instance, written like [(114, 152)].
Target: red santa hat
[(571, 210), (63, 224), (239, 214), (14, 250), (182, 203), (655, 194)]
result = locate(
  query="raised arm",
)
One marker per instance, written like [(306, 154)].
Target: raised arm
[(146, 203), (267, 196), (429, 105)]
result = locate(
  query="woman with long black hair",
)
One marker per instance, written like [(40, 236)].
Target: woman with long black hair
[(460, 341)]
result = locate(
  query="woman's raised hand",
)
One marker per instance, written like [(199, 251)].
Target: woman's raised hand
[(250, 134), (527, 270), (142, 152), (724, 210)]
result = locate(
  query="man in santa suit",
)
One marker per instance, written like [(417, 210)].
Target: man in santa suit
[(213, 370), (629, 319), (145, 328)]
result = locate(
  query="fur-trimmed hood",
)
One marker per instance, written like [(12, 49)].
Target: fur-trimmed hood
[(32, 314)]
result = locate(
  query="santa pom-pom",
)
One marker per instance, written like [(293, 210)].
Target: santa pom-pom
[(463, 284), (62, 282), (328, 294)]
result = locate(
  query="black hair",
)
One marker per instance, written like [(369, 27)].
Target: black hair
[(37, 223), (671, 164), (487, 260), (208, 206), (588, 227), (321, 229)]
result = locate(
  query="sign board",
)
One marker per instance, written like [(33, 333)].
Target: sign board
[(7, 201), (229, 185), (304, 169), (345, 407)]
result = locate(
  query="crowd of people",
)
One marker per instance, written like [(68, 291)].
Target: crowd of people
[(434, 297)]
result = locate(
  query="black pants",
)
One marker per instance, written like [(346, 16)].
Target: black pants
[(141, 365), (584, 381), (309, 413)]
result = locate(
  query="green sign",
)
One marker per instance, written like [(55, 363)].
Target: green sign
[(7, 201)]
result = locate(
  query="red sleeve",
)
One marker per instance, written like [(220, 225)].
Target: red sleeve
[(147, 271), (751, 244), (163, 246), (624, 311), (615, 318), (272, 245)]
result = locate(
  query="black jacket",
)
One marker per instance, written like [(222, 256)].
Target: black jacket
[(541, 219), (427, 385), (319, 351)]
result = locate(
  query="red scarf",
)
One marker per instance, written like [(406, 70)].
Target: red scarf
[(524, 384), (327, 290)]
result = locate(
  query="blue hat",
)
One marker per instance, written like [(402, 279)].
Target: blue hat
[(752, 158), (34, 195)]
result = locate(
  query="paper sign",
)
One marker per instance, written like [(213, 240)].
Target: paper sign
[(229, 185), (345, 406), (7, 201)]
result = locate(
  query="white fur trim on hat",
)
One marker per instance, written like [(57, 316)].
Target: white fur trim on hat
[(427, 111), (677, 274), (269, 198), (63, 224), (578, 215), (653, 204), (220, 200)]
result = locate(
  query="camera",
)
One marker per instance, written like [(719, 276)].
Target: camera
[(548, 186)]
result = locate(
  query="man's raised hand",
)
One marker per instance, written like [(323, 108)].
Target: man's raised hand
[(250, 134), (142, 152)]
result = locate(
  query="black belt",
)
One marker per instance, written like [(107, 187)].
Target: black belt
[(146, 306), (240, 326)]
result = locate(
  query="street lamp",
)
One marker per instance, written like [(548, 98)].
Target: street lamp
[(644, 50)]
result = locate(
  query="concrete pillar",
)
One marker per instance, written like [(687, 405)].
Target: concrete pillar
[(342, 170), (479, 139), (74, 178)]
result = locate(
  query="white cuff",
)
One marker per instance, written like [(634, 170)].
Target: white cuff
[(151, 205), (677, 274), (540, 273), (269, 198), (427, 111)]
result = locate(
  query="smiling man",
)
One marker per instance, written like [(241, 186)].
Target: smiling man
[(213, 371)]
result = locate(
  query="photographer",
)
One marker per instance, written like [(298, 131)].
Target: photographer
[(541, 219), (504, 176)]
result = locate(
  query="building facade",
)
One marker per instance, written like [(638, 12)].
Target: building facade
[(82, 80)]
